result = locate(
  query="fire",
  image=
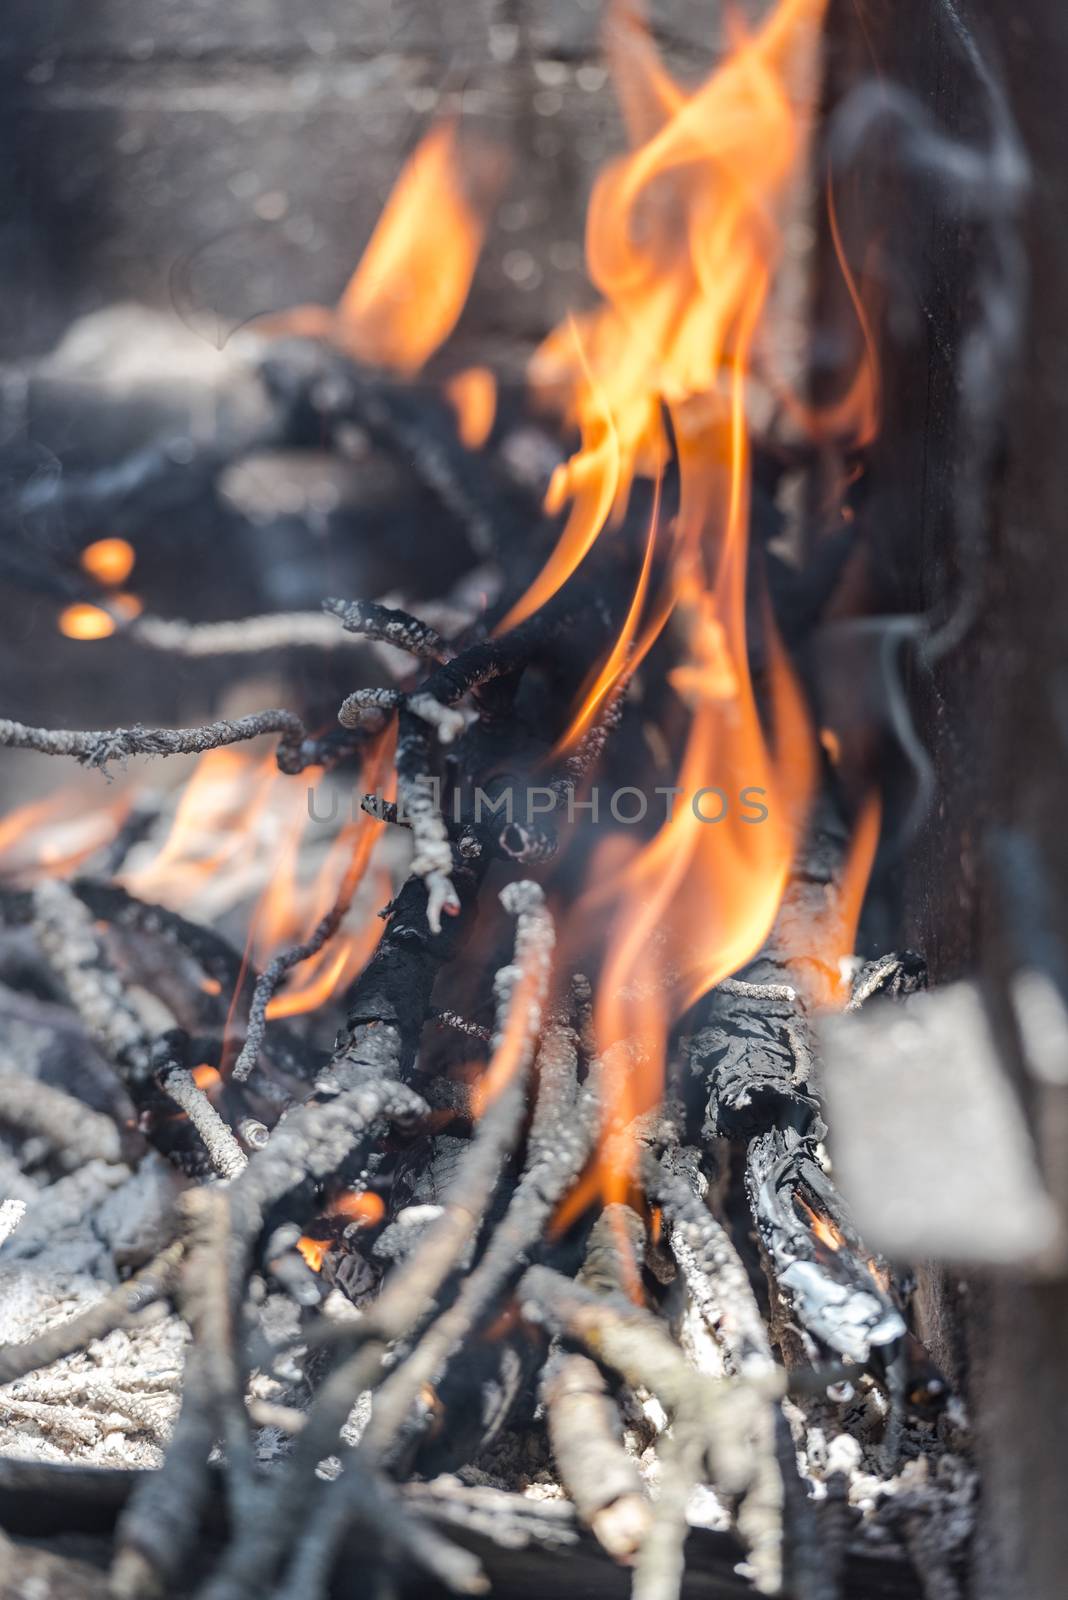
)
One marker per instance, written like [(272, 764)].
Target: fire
[(367, 1209), (109, 561), (222, 821), (826, 1231), (683, 239), (821, 963), (473, 396), (406, 295), (55, 835), (313, 1251)]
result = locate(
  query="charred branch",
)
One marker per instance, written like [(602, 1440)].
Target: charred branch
[(118, 744), (371, 620), (227, 1156)]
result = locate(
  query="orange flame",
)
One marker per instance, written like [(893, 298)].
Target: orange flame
[(830, 940), (406, 295), (55, 835), (826, 1231), (473, 396), (683, 239)]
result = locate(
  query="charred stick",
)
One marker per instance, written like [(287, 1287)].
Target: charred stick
[(371, 620), (153, 1282), (160, 1523), (432, 860), (582, 1416), (661, 1556), (413, 1287), (820, 1264), (520, 991), (97, 749), (372, 1502), (65, 932), (453, 1019), (556, 1067), (369, 710), (226, 1154), (235, 977), (72, 1128), (732, 1417), (245, 636), (715, 1276), (585, 1433)]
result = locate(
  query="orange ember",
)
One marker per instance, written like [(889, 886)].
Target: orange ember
[(82, 621), (109, 561), (313, 1251), (366, 1208)]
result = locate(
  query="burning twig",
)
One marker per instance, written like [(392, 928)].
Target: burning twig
[(118, 744), (324, 930)]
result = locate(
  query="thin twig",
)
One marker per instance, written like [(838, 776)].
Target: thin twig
[(244, 636), (227, 1156), (97, 749), (371, 620)]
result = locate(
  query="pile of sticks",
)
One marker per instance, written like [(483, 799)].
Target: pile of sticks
[(434, 1200)]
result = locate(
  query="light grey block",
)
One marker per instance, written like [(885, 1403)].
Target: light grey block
[(929, 1142)]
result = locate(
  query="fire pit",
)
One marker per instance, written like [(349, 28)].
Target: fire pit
[(473, 1113)]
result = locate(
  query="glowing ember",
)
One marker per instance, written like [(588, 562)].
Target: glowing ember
[(82, 621), (109, 561), (366, 1208), (205, 1076), (313, 1251)]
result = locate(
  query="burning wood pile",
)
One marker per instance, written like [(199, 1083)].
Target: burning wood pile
[(544, 1253)]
